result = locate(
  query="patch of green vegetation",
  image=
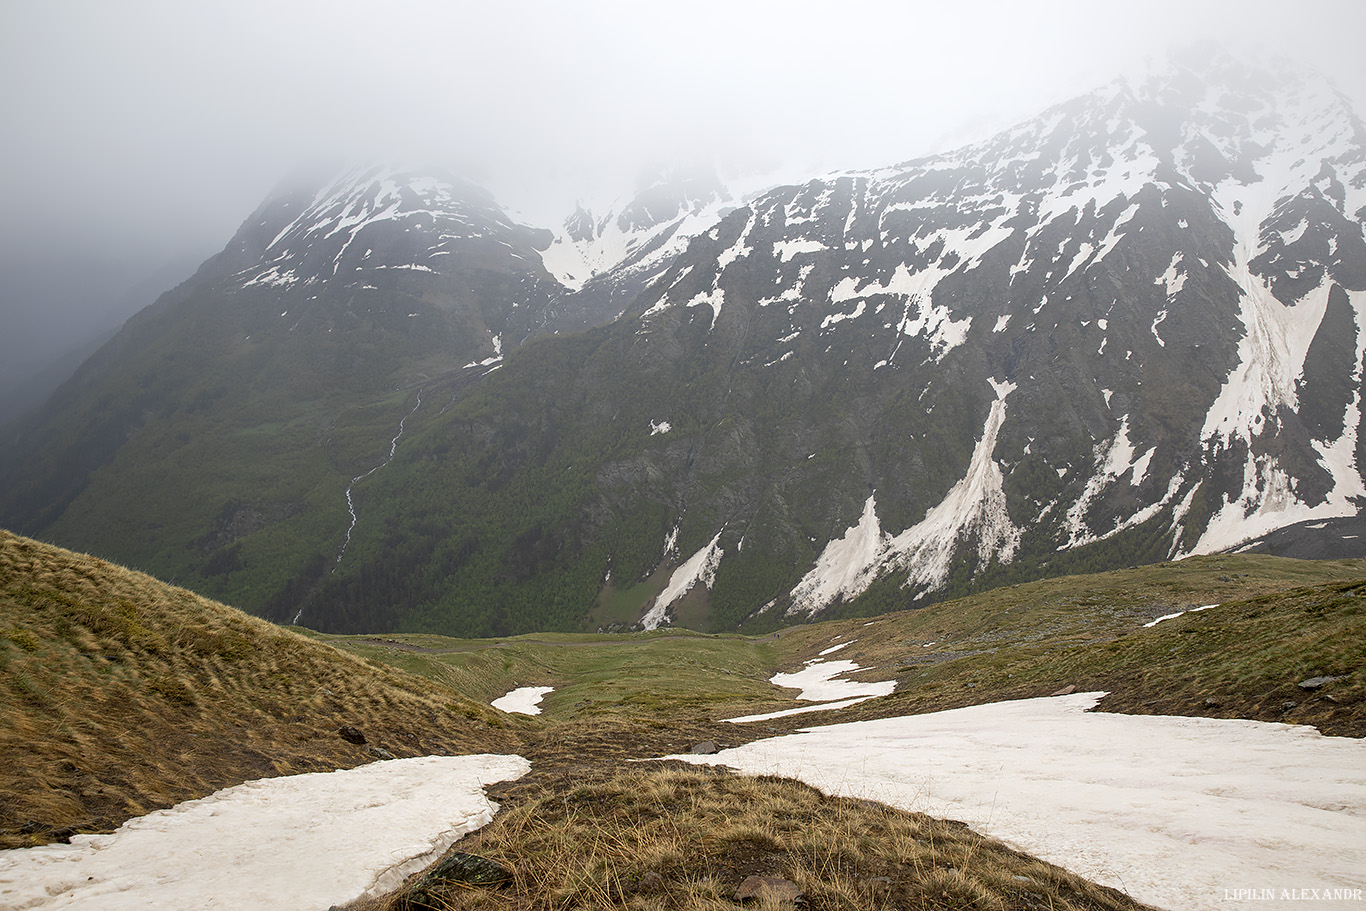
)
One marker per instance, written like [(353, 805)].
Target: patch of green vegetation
[(664, 674)]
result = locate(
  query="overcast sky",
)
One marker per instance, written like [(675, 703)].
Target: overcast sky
[(140, 131)]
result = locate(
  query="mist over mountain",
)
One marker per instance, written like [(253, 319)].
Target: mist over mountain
[(1125, 330)]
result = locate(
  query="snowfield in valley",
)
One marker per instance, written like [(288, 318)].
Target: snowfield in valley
[(1177, 812), (1182, 813)]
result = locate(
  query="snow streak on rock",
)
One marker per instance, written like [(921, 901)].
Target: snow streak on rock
[(700, 567), (975, 508)]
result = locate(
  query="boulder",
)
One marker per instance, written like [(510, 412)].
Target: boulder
[(767, 887), (706, 748), (351, 735)]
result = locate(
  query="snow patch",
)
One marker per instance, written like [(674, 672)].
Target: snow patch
[(817, 682), (1170, 810), (525, 700), (297, 842)]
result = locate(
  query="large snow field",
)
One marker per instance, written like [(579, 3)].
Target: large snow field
[(1178, 812), (299, 842)]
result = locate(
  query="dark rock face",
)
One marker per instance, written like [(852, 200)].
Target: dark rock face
[(351, 735)]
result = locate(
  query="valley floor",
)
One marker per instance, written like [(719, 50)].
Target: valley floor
[(1178, 812)]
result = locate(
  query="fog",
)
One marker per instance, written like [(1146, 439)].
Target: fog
[(140, 134)]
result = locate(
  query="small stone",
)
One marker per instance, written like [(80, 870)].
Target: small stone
[(770, 887), (1314, 683), (380, 753), (1065, 691), (351, 735), (706, 748), (1287, 705), (1212, 702)]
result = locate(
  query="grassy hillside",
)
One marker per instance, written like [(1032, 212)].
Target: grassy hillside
[(120, 694), (1279, 622)]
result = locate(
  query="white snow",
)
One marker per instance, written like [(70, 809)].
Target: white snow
[(1174, 279), (976, 503), (1113, 461), (846, 567), (817, 682), (525, 700), (299, 842), (1178, 812), (1152, 623), (1268, 499), (834, 648), (800, 710), (660, 427), (786, 249), (849, 564), (700, 567)]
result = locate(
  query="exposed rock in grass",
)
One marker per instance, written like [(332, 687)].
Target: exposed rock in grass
[(767, 888), (351, 735)]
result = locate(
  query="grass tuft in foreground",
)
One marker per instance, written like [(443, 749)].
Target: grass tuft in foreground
[(670, 836)]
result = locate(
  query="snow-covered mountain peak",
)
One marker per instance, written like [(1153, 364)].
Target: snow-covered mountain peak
[(339, 229), (636, 238)]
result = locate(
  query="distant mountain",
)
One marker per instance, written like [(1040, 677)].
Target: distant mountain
[(608, 258), (1126, 330)]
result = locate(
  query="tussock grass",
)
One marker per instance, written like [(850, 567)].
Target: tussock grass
[(120, 694), (667, 836)]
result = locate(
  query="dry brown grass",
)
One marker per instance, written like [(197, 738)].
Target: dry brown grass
[(120, 694), (670, 836)]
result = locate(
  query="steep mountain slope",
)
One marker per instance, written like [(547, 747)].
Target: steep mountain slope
[(238, 407), (1126, 330), (1149, 300)]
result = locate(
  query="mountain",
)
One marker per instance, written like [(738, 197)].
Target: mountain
[(607, 259), (1127, 330)]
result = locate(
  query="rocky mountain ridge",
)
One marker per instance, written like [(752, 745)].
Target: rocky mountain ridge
[(1126, 330)]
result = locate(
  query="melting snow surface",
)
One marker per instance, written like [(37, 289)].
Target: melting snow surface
[(525, 700), (817, 682), (800, 710), (849, 564), (303, 841), (1172, 810)]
